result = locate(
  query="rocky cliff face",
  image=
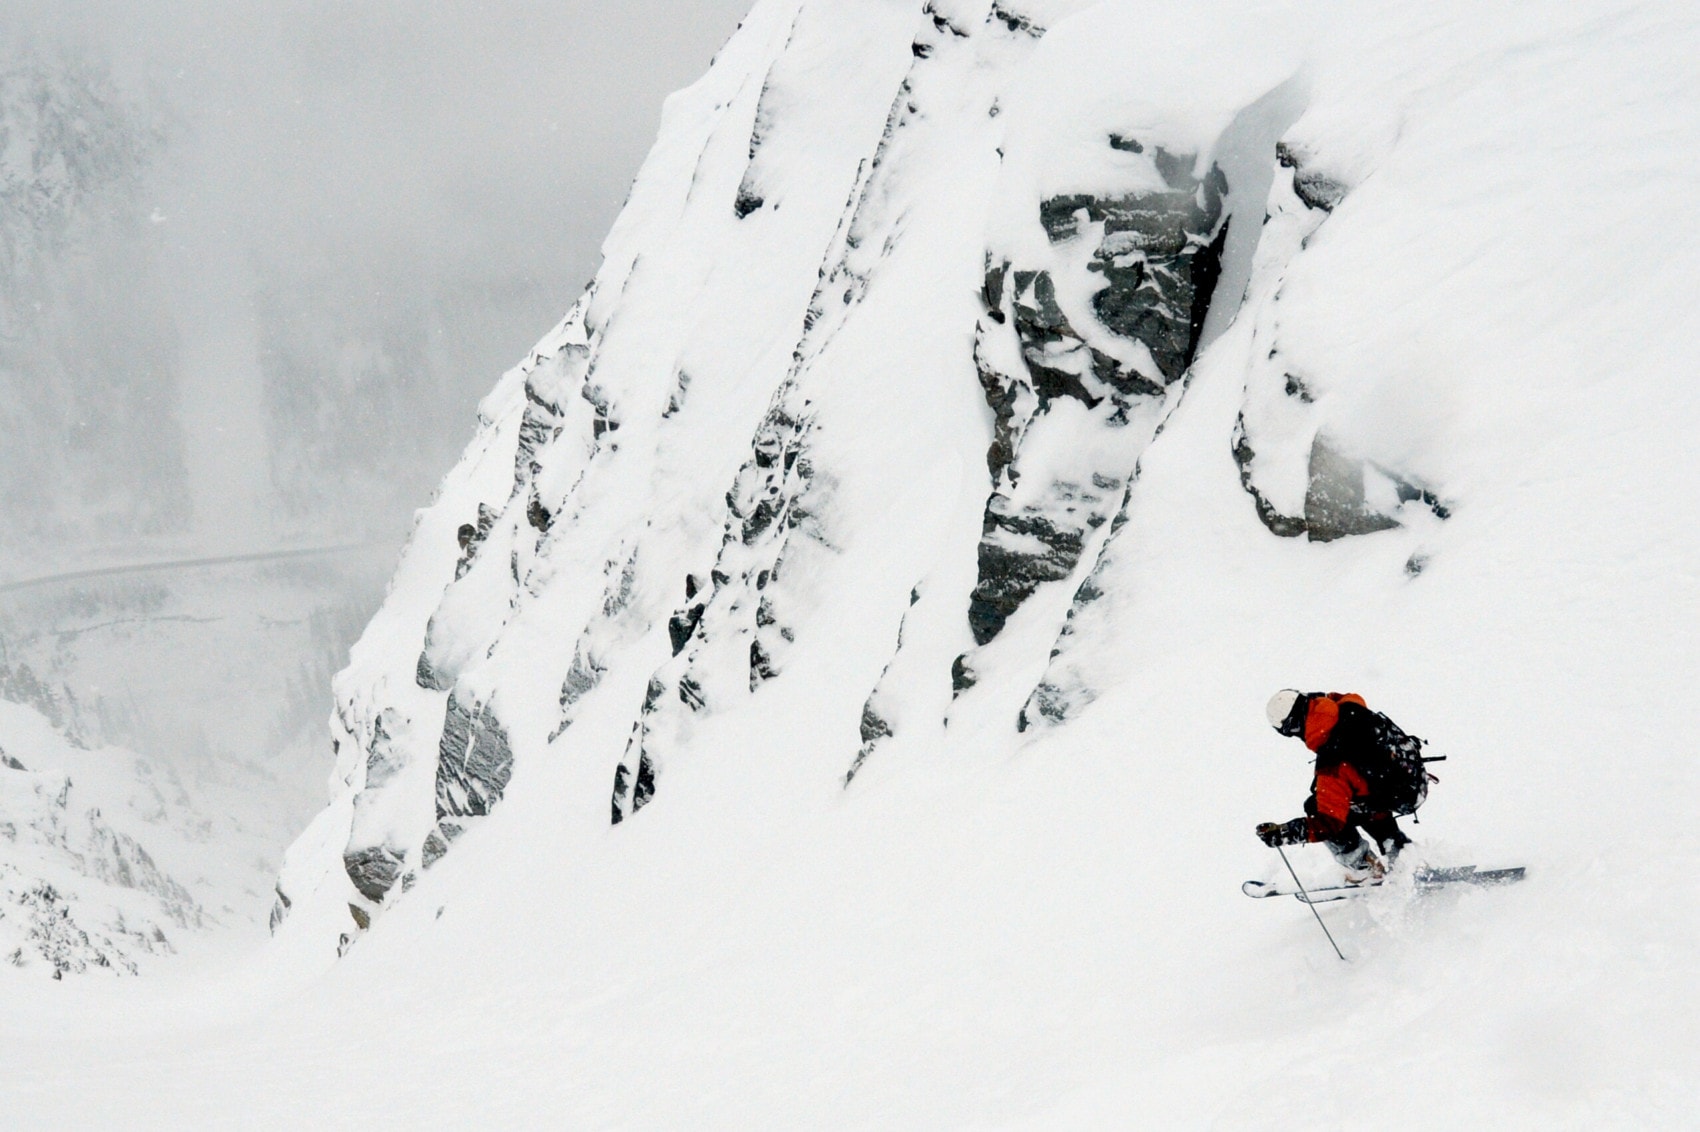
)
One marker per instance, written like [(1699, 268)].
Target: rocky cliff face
[(858, 402)]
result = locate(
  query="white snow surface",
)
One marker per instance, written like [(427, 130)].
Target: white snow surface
[(989, 928)]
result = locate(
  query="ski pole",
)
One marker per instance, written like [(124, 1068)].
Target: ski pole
[(1306, 897)]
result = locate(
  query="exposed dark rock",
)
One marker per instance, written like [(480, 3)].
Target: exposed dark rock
[(644, 789), (874, 729), (1014, 21), (682, 624), (1012, 566), (618, 596), (1159, 254), (373, 870), (582, 677), (943, 23), (690, 692), (1285, 526), (538, 515), (622, 784), (280, 908), (118, 858), (1334, 501), (1049, 702), (759, 520), (873, 726), (1061, 215), (604, 420), (991, 291), (748, 201), (474, 761), (9, 762), (425, 673), (1000, 396), (633, 791), (1335, 504), (1408, 492), (537, 429), (382, 760), (962, 676), (362, 918), (1315, 189), (761, 665), (470, 541), (676, 402)]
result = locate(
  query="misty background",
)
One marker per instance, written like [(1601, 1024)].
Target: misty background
[(260, 261), (258, 264)]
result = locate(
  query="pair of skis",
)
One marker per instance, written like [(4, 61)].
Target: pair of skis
[(1426, 879)]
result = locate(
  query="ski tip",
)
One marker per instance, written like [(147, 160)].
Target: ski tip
[(1467, 874), (1259, 889), (1331, 896), (1499, 876)]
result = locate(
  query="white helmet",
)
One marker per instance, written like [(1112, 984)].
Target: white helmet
[(1281, 706)]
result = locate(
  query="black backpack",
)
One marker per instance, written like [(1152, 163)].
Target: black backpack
[(1392, 763)]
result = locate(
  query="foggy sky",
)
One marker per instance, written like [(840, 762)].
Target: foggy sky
[(468, 157)]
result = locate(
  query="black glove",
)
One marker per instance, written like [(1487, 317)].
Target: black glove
[(1283, 833)]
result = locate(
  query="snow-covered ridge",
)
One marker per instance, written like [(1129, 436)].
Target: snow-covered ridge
[(79, 890), (901, 305)]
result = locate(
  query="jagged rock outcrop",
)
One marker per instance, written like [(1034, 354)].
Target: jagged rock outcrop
[(474, 764), (1138, 271)]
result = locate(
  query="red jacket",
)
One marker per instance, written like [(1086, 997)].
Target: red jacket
[(1338, 783)]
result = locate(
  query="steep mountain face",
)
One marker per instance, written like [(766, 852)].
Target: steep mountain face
[(902, 306), (668, 491)]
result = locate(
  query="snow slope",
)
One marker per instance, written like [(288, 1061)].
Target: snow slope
[(826, 475)]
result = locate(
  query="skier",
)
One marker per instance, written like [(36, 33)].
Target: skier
[(1368, 772)]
